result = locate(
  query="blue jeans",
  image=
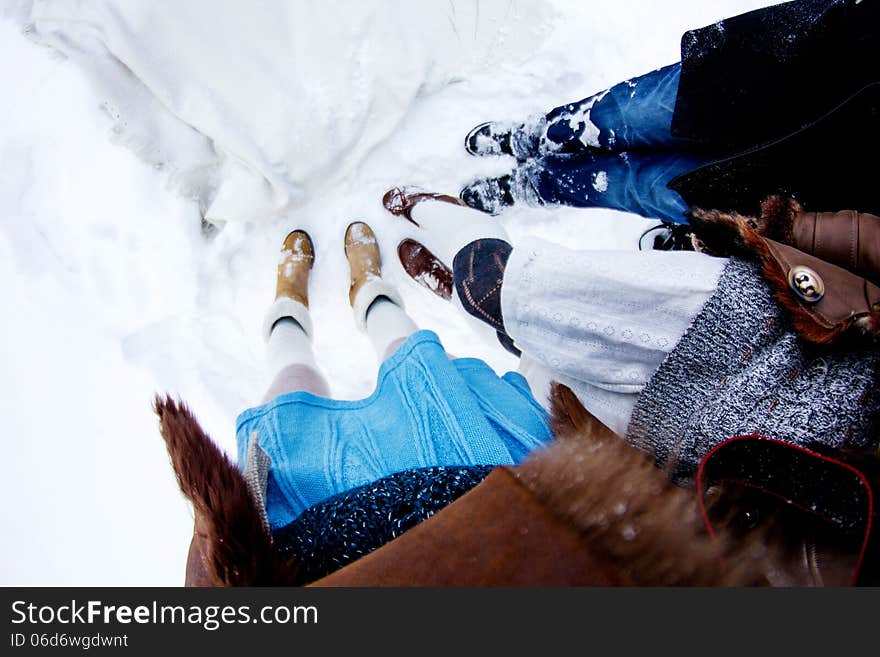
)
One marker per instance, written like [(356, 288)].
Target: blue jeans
[(615, 150)]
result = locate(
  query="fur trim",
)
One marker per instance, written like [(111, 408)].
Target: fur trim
[(777, 219), (369, 292), (733, 235), (868, 325), (627, 510), (237, 549), (720, 233), (286, 307), (852, 332), (804, 324)]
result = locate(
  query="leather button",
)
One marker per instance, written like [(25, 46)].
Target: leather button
[(806, 283)]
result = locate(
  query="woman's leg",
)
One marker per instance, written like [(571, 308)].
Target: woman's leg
[(635, 114), (287, 326), (291, 358), (378, 307), (388, 326), (612, 150)]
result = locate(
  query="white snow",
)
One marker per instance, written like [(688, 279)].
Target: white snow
[(428, 280), (112, 293), (590, 135)]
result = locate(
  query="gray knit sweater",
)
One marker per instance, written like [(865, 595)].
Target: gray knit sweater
[(740, 369)]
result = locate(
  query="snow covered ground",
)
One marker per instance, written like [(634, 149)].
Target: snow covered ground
[(113, 293)]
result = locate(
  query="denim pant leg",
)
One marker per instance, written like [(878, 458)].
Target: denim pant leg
[(631, 182), (635, 114)]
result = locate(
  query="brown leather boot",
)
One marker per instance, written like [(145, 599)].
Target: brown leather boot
[(292, 287), (365, 266), (425, 268)]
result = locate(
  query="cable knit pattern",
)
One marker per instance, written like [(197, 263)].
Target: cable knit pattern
[(426, 411), (740, 369)]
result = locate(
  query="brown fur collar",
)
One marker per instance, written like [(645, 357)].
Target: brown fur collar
[(627, 510), (236, 549), (731, 234), (721, 233)]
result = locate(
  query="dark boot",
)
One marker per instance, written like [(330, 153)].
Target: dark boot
[(490, 195), (425, 268), (488, 139), (517, 140)]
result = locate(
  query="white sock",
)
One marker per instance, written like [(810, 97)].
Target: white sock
[(387, 322), (289, 345)]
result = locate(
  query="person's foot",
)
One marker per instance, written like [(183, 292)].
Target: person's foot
[(489, 138), (294, 265), (519, 140), (364, 260), (292, 286), (425, 268), (490, 195), (365, 268), (400, 201)]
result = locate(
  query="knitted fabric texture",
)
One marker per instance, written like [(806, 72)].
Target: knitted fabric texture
[(426, 411), (740, 369), (348, 526)]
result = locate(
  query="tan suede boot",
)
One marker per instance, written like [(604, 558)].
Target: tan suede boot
[(294, 265), (365, 266), (292, 286)]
